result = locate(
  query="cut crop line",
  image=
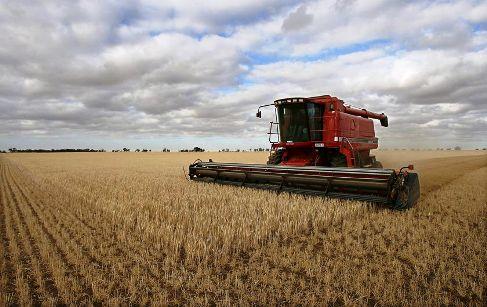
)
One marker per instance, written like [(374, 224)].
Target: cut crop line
[(85, 241), (101, 236), (22, 286), (106, 234), (45, 281), (29, 261), (61, 265), (7, 286), (65, 223)]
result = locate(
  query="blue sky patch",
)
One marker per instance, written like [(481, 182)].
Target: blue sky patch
[(255, 58)]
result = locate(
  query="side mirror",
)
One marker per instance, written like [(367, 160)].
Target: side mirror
[(384, 122), (258, 114)]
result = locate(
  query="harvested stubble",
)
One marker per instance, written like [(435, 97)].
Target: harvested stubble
[(128, 228)]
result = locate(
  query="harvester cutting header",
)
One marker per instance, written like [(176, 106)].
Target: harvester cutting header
[(320, 146)]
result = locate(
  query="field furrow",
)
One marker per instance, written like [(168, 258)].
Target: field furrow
[(7, 281), (46, 288), (108, 266), (53, 248), (24, 286), (127, 260), (30, 261)]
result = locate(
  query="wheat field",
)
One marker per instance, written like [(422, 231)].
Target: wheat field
[(129, 228)]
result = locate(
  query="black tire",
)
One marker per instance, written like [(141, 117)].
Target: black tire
[(338, 160), (409, 194), (275, 158)]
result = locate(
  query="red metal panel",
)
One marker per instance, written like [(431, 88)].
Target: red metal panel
[(345, 128)]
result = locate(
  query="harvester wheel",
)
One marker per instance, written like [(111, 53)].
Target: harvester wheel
[(409, 193), (338, 160), (275, 158)]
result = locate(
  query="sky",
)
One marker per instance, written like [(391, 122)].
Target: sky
[(177, 74)]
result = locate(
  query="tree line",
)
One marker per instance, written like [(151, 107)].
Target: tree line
[(56, 150), (195, 149)]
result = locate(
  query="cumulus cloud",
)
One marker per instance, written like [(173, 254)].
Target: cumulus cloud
[(297, 20), (151, 68)]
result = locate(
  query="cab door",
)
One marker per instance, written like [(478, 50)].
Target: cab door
[(330, 122)]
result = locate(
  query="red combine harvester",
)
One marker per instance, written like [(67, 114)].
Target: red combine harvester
[(322, 148)]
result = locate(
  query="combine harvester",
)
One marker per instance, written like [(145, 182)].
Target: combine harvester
[(322, 148)]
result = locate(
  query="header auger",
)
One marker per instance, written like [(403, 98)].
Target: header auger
[(322, 147)]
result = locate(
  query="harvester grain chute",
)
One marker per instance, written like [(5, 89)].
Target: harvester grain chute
[(322, 148)]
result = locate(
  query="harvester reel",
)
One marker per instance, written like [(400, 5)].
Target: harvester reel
[(396, 189)]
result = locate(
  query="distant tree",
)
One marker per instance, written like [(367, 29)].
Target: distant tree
[(40, 150), (458, 148), (144, 150), (137, 150), (125, 149)]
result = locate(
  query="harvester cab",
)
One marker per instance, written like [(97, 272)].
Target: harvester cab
[(320, 147), (322, 131)]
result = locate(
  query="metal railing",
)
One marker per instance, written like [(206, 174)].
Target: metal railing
[(271, 133)]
